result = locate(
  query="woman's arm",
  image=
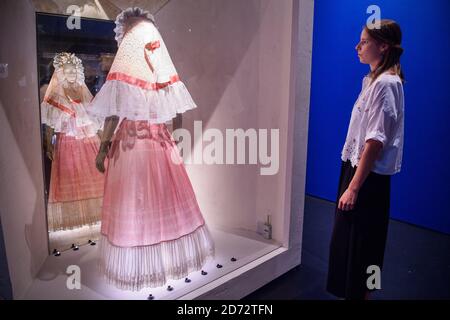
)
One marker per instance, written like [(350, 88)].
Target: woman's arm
[(372, 150)]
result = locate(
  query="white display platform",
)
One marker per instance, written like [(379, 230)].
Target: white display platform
[(65, 238), (51, 282)]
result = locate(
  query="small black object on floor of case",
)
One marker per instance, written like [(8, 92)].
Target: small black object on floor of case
[(56, 253), (150, 297), (204, 273), (187, 280), (74, 247), (219, 266), (169, 288), (92, 243), (233, 259)]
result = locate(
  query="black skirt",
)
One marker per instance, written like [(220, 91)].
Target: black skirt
[(359, 235)]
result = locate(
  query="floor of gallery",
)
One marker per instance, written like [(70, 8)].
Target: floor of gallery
[(51, 282), (416, 266)]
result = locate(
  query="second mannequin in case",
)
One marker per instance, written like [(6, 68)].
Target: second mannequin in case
[(76, 187)]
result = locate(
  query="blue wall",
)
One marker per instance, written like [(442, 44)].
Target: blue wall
[(420, 192)]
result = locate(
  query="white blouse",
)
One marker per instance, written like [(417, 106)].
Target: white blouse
[(378, 114), (142, 83)]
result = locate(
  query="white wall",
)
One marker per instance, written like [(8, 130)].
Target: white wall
[(21, 178), (299, 97), (234, 57), (299, 120), (273, 192)]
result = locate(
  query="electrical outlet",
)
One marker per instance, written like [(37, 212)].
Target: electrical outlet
[(264, 229)]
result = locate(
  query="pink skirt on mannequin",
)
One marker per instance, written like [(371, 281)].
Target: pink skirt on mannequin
[(76, 186), (152, 227)]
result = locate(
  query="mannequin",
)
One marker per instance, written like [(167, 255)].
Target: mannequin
[(152, 228), (76, 188)]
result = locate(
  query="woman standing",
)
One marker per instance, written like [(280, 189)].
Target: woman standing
[(372, 153)]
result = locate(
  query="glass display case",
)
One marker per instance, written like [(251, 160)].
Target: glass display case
[(243, 145)]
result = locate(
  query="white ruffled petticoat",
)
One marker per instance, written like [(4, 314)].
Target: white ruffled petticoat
[(133, 268)]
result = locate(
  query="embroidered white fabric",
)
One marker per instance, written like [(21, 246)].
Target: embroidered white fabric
[(134, 103), (58, 110), (81, 126), (75, 121), (123, 19), (151, 65), (151, 266), (378, 114)]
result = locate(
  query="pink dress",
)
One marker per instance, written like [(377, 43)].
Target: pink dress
[(76, 186), (152, 227)]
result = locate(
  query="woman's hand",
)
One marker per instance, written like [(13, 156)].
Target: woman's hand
[(348, 200), (371, 151)]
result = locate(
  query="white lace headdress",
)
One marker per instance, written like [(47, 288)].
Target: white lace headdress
[(65, 58), (66, 113), (122, 21)]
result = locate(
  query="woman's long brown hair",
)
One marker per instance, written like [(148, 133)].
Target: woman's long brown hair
[(390, 34)]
